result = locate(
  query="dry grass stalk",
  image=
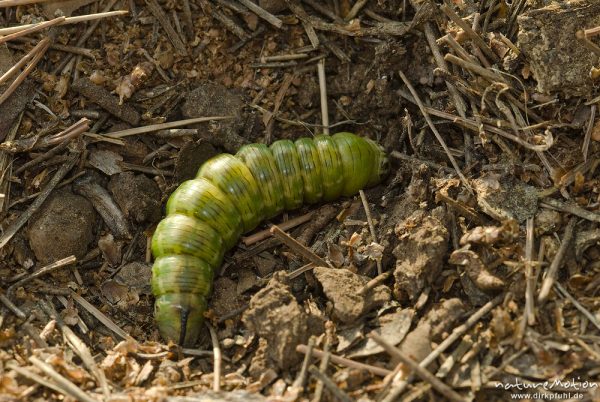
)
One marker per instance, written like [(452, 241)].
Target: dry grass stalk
[(33, 28), (68, 20), (13, 3)]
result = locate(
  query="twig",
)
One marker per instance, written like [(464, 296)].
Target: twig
[(11, 3), (365, 203), (356, 7), (301, 378), (325, 380), (68, 20), (43, 271), (100, 316), (469, 32), (342, 361), (17, 224), (33, 28), (21, 77), (374, 282), (323, 96), (34, 377), (422, 372), (577, 305), (529, 277), (287, 225), (216, 358), (571, 209), (456, 334), (298, 247), (588, 133), (262, 13), (162, 18), (227, 22), (317, 395), (557, 261), (31, 143), (163, 126), (67, 387), (436, 132), (14, 69), (12, 307)]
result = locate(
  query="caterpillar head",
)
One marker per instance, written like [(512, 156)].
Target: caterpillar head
[(381, 167), (180, 317)]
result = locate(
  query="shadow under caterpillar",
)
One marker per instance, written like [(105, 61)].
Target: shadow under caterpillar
[(231, 195)]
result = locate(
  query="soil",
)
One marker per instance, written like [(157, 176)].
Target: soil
[(477, 256)]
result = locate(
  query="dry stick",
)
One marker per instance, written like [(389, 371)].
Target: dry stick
[(287, 225), (227, 22), (43, 271), (325, 380), (557, 261), (318, 394), (14, 69), (571, 209), (34, 377), (21, 77), (324, 10), (79, 347), (61, 185), (323, 96), (100, 316), (374, 282), (17, 224), (301, 378), (422, 372), (163, 126), (162, 18), (83, 38), (588, 133), (529, 277), (358, 5), (459, 103), (63, 48), (67, 387), (68, 20), (365, 203), (298, 247), (591, 317), (32, 29), (11, 306), (435, 131), (474, 126), (11, 3), (342, 361), (262, 13), (457, 333), (469, 32), (216, 357), (475, 68)]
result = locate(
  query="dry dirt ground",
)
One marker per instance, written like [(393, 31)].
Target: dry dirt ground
[(471, 273)]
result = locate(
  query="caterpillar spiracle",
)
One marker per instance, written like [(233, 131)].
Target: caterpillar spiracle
[(231, 195)]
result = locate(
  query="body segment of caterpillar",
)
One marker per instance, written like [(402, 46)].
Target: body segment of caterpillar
[(231, 195)]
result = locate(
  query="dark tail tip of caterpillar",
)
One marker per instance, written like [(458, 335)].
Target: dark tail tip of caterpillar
[(184, 319)]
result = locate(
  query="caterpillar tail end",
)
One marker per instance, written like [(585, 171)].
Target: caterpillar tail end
[(180, 317)]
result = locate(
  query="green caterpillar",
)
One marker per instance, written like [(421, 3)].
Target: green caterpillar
[(231, 195)]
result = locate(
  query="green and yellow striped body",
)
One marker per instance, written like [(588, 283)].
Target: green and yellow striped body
[(230, 196)]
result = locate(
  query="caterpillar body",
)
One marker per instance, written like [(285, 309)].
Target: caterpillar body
[(231, 195)]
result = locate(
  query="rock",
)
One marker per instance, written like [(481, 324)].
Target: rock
[(275, 315), (273, 6), (505, 198), (422, 245), (62, 227), (137, 196), (190, 157), (547, 38), (211, 99), (342, 287)]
